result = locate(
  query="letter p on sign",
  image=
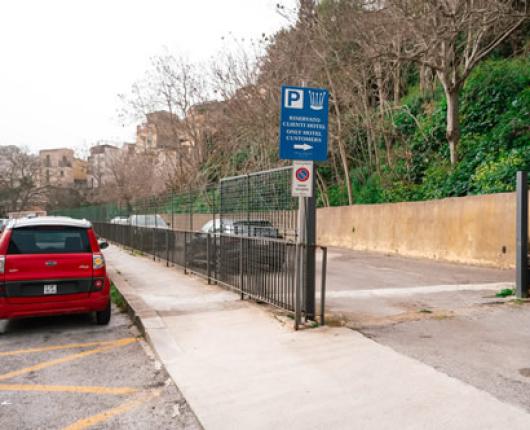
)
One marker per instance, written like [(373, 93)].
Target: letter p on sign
[(294, 99)]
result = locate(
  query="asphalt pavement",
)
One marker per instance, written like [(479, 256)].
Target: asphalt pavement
[(68, 373), (368, 289)]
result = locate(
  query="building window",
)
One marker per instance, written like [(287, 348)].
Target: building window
[(62, 173), (47, 176), (48, 160)]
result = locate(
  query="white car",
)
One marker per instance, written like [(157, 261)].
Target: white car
[(119, 220), (151, 221)]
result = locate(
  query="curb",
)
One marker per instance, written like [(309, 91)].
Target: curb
[(121, 285), (135, 307), (138, 311)]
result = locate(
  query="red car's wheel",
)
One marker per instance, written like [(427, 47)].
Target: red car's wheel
[(103, 317)]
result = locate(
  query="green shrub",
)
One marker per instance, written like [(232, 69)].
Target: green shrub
[(498, 175)]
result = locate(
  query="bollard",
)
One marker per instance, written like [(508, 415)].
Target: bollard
[(521, 263)]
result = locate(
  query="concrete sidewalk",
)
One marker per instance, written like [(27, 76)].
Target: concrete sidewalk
[(240, 368)]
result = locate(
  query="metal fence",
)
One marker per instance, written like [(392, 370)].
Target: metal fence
[(241, 233), (186, 210), (260, 196), (264, 269)]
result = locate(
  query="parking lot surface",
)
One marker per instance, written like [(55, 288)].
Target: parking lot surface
[(487, 347), (367, 289), (68, 373)]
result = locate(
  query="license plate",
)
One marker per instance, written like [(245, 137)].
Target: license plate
[(50, 289)]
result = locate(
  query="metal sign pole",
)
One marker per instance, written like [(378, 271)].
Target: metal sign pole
[(521, 263), (303, 138), (310, 240), (299, 265)]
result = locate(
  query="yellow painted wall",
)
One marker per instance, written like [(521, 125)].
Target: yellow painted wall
[(474, 229)]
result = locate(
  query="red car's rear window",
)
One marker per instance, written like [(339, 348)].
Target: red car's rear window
[(48, 240)]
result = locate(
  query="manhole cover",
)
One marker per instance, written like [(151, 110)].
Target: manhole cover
[(525, 372)]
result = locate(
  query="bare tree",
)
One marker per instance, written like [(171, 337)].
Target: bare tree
[(19, 180), (448, 36), (131, 177)]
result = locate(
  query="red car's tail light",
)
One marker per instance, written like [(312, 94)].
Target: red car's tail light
[(98, 261), (98, 284), (2, 263)]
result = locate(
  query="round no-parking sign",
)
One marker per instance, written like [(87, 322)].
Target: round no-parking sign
[(302, 185), (302, 174)]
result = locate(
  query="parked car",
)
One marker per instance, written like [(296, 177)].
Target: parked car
[(268, 254), (120, 220), (254, 228), (151, 221), (52, 266)]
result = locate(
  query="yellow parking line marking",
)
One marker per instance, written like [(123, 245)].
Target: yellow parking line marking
[(57, 347), (45, 364), (117, 391), (110, 413)]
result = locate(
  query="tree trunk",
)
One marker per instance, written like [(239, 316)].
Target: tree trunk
[(426, 79), (382, 103), (453, 124), (340, 143), (423, 80), (397, 71), (397, 82)]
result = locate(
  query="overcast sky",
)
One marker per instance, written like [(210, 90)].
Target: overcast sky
[(63, 62)]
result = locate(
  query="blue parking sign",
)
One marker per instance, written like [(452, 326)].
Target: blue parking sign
[(304, 124)]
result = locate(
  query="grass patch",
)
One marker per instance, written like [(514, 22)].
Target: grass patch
[(117, 298), (518, 301), (425, 311), (506, 292), (313, 324)]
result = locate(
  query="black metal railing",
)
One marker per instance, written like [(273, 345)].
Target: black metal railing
[(260, 268)]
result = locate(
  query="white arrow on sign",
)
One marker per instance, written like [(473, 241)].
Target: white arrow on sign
[(305, 147)]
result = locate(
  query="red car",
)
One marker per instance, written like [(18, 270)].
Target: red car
[(52, 266)]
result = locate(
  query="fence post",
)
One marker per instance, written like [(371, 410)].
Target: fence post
[(185, 252), (172, 210), (167, 248), (297, 288), (153, 231), (241, 277), (208, 265), (190, 207), (521, 263), (247, 192), (323, 285)]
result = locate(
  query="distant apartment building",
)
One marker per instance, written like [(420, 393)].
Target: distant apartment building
[(57, 167), (128, 149), (161, 131), (80, 169), (100, 164), (60, 168)]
